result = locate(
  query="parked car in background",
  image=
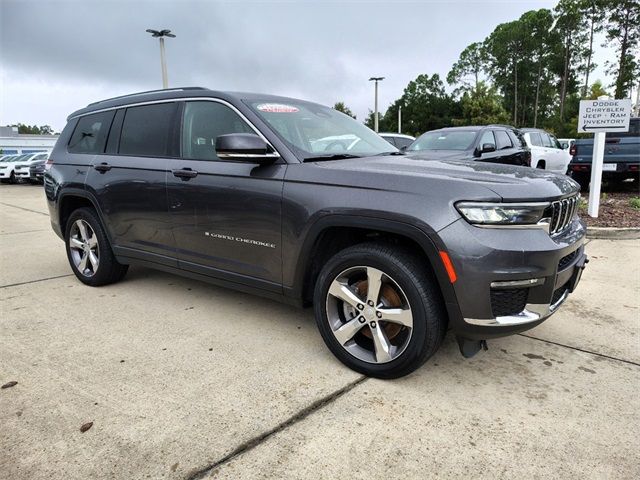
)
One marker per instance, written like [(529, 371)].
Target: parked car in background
[(566, 143), (546, 151), (23, 166), (8, 166), (491, 143), (36, 171), (621, 156), (398, 139)]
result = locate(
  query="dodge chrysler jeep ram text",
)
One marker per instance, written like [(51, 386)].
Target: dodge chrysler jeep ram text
[(240, 190)]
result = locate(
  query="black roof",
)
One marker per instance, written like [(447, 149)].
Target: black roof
[(181, 92)]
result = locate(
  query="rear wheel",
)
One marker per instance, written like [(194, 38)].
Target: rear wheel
[(89, 251), (378, 311), (12, 178)]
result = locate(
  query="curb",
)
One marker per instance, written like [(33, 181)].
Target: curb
[(614, 233)]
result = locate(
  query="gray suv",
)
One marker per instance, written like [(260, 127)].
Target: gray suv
[(241, 190)]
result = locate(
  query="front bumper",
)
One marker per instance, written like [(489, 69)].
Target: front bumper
[(534, 272)]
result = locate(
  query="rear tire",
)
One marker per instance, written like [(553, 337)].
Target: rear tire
[(390, 336), (89, 251), (583, 179)]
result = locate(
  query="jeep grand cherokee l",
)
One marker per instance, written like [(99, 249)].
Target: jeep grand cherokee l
[(391, 250)]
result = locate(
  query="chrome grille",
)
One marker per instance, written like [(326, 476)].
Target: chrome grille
[(563, 212)]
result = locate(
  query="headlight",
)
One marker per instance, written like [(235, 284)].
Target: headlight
[(504, 214)]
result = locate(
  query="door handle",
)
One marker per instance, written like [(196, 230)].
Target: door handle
[(185, 173), (102, 167)]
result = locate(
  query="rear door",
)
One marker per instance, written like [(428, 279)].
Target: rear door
[(129, 181), (226, 214)]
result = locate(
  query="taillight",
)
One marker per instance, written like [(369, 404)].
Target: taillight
[(48, 164), (573, 150)]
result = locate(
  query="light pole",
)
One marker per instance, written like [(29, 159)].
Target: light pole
[(375, 114), (163, 63), (400, 118)]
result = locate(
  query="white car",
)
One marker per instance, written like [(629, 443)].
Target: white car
[(566, 143), (22, 167), (398, 139), (8, 166), (546, 151)]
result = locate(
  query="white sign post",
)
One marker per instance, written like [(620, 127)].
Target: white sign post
[(601, 116)]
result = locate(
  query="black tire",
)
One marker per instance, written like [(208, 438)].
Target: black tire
[(418, 285), (12, 178), (108, 269), (541, 165)]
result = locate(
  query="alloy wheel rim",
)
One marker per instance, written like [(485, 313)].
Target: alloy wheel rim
[(369, 314), (85, 251)]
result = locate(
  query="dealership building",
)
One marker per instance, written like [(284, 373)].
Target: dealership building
[(12, 142)]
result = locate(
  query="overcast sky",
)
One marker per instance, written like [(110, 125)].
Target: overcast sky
[(58, 56)]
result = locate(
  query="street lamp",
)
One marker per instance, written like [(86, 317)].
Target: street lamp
[(163, 63), (375, 114)]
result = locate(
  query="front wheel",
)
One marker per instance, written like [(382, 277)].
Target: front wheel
[(89, 251), (379, 310)]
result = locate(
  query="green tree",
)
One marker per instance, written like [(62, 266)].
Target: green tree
[(622, 27), (341, 107), (595, 17), (33, 129), (572, 25), (482, 106), (473, 62), (597, 90), (426, 106)]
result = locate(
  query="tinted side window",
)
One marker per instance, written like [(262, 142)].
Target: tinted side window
[(516, 138), (90, 134), (502, 140), (391, 140), (546, 140), (203, 122), (147, 131), (535, 139)]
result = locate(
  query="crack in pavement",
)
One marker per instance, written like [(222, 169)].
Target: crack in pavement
[(25, 209), (26, 231), (256, 441), (36, 281), (630, 362)]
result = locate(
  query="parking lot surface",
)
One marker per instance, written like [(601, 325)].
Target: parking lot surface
[(182, 379)]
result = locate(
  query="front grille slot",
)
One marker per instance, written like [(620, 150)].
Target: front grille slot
[(505, 302), (562, 212), (566, 260)]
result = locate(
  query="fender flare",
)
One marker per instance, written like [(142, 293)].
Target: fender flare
[(412, 229), (78, 192)]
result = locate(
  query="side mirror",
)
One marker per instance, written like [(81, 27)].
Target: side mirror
[(488, 147), (244, 147)]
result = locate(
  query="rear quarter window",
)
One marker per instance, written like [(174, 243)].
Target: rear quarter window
[(90, 134)]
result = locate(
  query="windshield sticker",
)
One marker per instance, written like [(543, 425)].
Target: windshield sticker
[(277, 108)]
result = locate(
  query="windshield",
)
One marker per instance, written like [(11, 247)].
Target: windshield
[(443, 140), (315, 131)]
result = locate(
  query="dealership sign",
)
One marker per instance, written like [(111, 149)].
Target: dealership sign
[(604, 115)]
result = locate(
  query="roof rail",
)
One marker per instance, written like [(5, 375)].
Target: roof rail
[(500, 125), (147, 93)]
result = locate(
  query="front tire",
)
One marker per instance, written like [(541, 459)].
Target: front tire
[(89, 251), (379, 310)]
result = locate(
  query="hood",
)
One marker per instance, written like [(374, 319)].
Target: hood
[(511, 183)]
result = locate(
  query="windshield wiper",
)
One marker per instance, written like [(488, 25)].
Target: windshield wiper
[(389, 153), (336, 156)]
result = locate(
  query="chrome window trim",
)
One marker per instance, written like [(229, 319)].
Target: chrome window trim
[(275, 153)]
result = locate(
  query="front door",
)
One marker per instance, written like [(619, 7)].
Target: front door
[(226, 215)]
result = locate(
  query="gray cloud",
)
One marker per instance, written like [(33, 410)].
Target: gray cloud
[(321, 51)]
